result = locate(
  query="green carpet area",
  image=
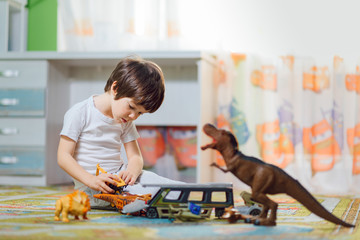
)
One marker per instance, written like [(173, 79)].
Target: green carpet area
[(28, 213)]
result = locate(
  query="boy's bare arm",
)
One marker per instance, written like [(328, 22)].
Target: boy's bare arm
[(67, 162), (135, 163)]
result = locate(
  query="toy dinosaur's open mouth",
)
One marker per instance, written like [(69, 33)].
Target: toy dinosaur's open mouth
[(210, 145), (209, 130)]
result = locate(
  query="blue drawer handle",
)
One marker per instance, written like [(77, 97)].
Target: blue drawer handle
[(9, 131), (9, 102), (9, 73), (8, 160)]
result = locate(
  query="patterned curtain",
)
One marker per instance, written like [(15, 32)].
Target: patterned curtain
[(293, 113)]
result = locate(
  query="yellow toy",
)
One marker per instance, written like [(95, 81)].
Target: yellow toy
[(76, 203), (118, 188)]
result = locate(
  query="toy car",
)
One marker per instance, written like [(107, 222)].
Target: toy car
[(119, 184), (173, 199)]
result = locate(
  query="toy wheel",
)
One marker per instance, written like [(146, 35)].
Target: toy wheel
[(219, 212), (255, 212), (152, 213)]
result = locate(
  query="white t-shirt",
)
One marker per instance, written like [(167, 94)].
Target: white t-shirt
[(98, 137)]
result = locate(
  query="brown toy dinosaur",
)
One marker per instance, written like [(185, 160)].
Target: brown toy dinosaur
[(263, 179)]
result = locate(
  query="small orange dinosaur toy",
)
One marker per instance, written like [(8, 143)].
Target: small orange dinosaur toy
[(76, 203)]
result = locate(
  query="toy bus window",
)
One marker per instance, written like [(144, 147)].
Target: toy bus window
[(218, 196), (196, 196), (173, 195)]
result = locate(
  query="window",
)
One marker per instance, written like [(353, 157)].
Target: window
[(196, 196), (218, 197), (173, 195)]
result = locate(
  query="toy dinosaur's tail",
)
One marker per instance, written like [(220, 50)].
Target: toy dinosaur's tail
[(304, 197)]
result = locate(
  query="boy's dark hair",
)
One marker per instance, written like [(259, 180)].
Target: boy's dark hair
[(139, 79)]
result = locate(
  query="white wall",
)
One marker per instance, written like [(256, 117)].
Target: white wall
[(316, 28)]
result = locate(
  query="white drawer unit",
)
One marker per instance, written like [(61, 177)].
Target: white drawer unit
[(28, 138)]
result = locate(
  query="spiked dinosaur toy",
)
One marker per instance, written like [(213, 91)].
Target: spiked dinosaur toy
[(263, 179)]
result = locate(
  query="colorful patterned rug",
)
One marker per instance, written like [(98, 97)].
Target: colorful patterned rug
[(28, 213)]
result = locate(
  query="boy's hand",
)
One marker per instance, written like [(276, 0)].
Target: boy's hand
[(128, 177), (100, 182)]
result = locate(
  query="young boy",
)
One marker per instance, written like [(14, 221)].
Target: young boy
[(95, 129)]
